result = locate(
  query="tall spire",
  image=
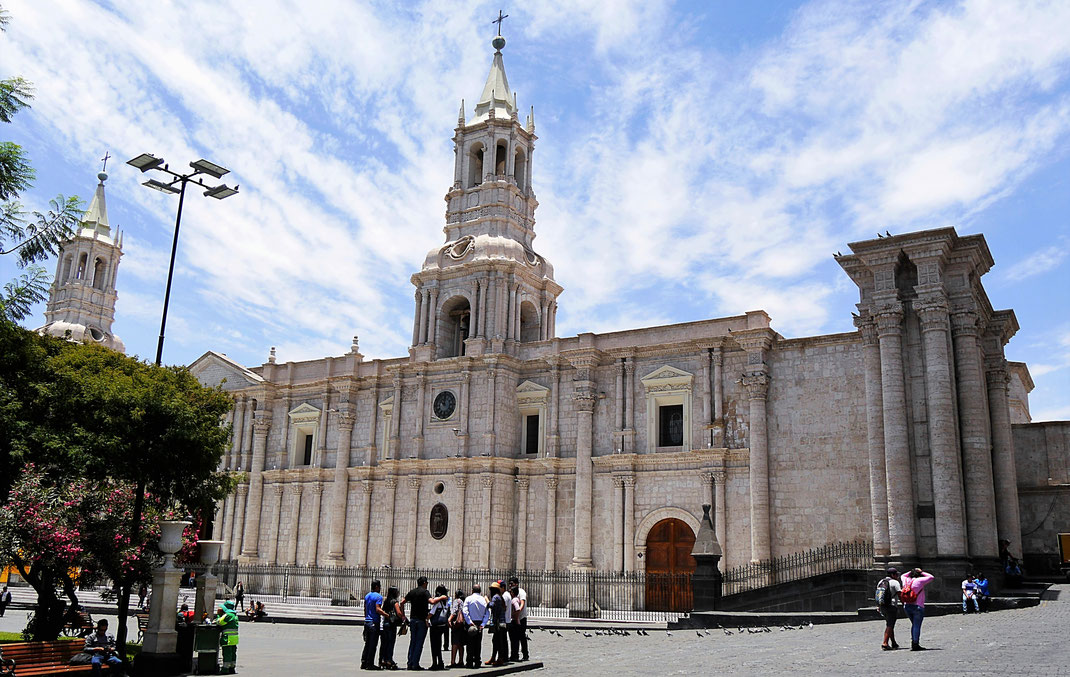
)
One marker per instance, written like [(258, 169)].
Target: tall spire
[(496, 92), (96, 217)]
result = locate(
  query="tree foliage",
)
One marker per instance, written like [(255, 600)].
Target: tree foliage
[(83, 431)]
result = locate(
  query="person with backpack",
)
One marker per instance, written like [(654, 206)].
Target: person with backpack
[(440, 619), (888, 602), (913, 598)]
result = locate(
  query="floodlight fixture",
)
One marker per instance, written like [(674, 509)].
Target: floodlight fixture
[(210, 168), (162, 187), (145, 162), (221, 192)]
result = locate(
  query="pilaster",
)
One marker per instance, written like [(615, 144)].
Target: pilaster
[(878, 487)]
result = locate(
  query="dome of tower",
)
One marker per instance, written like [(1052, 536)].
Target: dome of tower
[(470, 249)]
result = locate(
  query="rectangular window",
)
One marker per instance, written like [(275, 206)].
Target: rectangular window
[(308, 450), (531, 441), (671, 425)]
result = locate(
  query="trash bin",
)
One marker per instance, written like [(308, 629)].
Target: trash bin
[(184, 645), (206, 648)]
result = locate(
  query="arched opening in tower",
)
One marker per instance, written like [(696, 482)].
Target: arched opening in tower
[(529, 322), (99, 275), (500, 156), (520, 168), (475, 165), (454, 321)]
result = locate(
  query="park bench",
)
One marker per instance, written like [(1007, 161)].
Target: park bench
[(142, 626), (21, 659), (81, 626)]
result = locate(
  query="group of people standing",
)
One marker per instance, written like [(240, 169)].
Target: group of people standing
[(455, 625), (906, 591)]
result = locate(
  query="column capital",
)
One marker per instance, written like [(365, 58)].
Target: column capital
[(584, 401), (933, 313), (707, 478), (367, 486), (262, 424), (242, 489), (867, 326), (551, 482), (889, 317), (629, 365), (391, 482), (346, 420), (996, 373), (757, 385), (462, 481), (719, 477), (487, 481), (523, 483), (618, 481), (414, 482), (316, 488), (278, 488), (297, 488), (965, 322), (628, 480)]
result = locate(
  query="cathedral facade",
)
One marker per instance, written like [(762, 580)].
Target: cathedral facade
[(498, 444)]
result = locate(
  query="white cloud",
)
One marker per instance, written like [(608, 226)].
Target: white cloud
[(1039, 262)]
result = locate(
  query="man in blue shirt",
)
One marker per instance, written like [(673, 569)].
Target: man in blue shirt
[(373, 610), (474, 611)]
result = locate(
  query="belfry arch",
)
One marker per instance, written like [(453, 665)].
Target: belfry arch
[(454, 325)]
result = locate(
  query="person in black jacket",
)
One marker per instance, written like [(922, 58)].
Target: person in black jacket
[(500, 643)]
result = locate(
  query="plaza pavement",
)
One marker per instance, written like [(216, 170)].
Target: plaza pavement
[(1030, 641)]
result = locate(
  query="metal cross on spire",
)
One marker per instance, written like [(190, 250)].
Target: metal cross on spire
[(105, 161), (501, 17)]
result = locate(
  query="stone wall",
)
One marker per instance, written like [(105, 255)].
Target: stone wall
[(1042, 452)]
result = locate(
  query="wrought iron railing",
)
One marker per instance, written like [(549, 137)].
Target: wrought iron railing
[(824, 560), (579, 594)]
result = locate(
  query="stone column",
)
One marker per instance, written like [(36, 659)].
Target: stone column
[(718, 385), (236, 433), (629, 404), (466, 397), (483, 308), (388, 519), (416, 318), (757, 385), (551, 523), (458, 529), (581, 546), (295, 523), (414, 517), (432, 317), (251, 538), (321, 444), (425, 302), (492, 390), (618, 400), (705, 392), (473, 312), (521, 529), (901, 533), (364, 542), (248, 435), (238, 521), (943, 442), (976, 446), (618, 525), (276, 518), (317, 504), (486, 500), (395, 419), (555, 408), (340, 490), (721, 514), (421, 415), (629, 522), (371, 456), (878, 492), (223, 528), (1006, 478)]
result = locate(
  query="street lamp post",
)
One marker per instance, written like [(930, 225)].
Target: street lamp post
[(160, 658), (146, 162)]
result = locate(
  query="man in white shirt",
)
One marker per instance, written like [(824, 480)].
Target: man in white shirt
[(518, 629), (475, 617)]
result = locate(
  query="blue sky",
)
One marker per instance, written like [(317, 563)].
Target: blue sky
[(695, 159)]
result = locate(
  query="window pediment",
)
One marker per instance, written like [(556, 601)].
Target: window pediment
[(530, 393), (303, 414), (667, 378)]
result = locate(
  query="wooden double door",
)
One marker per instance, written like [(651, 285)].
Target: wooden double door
[(668, 566)]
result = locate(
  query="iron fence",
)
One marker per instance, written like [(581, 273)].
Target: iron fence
[(551, 594), (824, 560)]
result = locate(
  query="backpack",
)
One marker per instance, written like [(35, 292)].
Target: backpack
[(439, 614), (909, 595), (882, 597)]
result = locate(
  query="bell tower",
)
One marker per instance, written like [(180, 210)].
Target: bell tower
[(486, 290), (81, 301)]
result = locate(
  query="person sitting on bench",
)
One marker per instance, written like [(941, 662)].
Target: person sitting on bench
[(101, 646)]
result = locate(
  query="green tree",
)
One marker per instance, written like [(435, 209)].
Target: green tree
[(143, 441), (31, 236)]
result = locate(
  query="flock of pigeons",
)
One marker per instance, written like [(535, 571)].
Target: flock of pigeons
[(609, 632)]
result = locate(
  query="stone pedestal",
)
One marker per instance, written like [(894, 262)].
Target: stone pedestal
[(707, 581), (158, 655), (207, 584)]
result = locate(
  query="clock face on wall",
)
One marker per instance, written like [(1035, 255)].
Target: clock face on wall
[(445, 404)]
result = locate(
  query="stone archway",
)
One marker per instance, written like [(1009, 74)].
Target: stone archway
[(668, 565)]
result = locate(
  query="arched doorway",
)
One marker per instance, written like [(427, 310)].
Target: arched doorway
[(668, 566)]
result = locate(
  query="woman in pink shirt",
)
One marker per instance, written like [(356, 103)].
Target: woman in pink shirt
[(913, 597)]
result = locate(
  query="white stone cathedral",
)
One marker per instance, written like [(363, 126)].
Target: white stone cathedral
[(81, 300), (497, 444)]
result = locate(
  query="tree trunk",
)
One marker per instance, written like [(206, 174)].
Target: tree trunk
[(48, 617), (124, 594)]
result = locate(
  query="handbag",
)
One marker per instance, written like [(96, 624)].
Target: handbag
[(404, 630), (440, 616)]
